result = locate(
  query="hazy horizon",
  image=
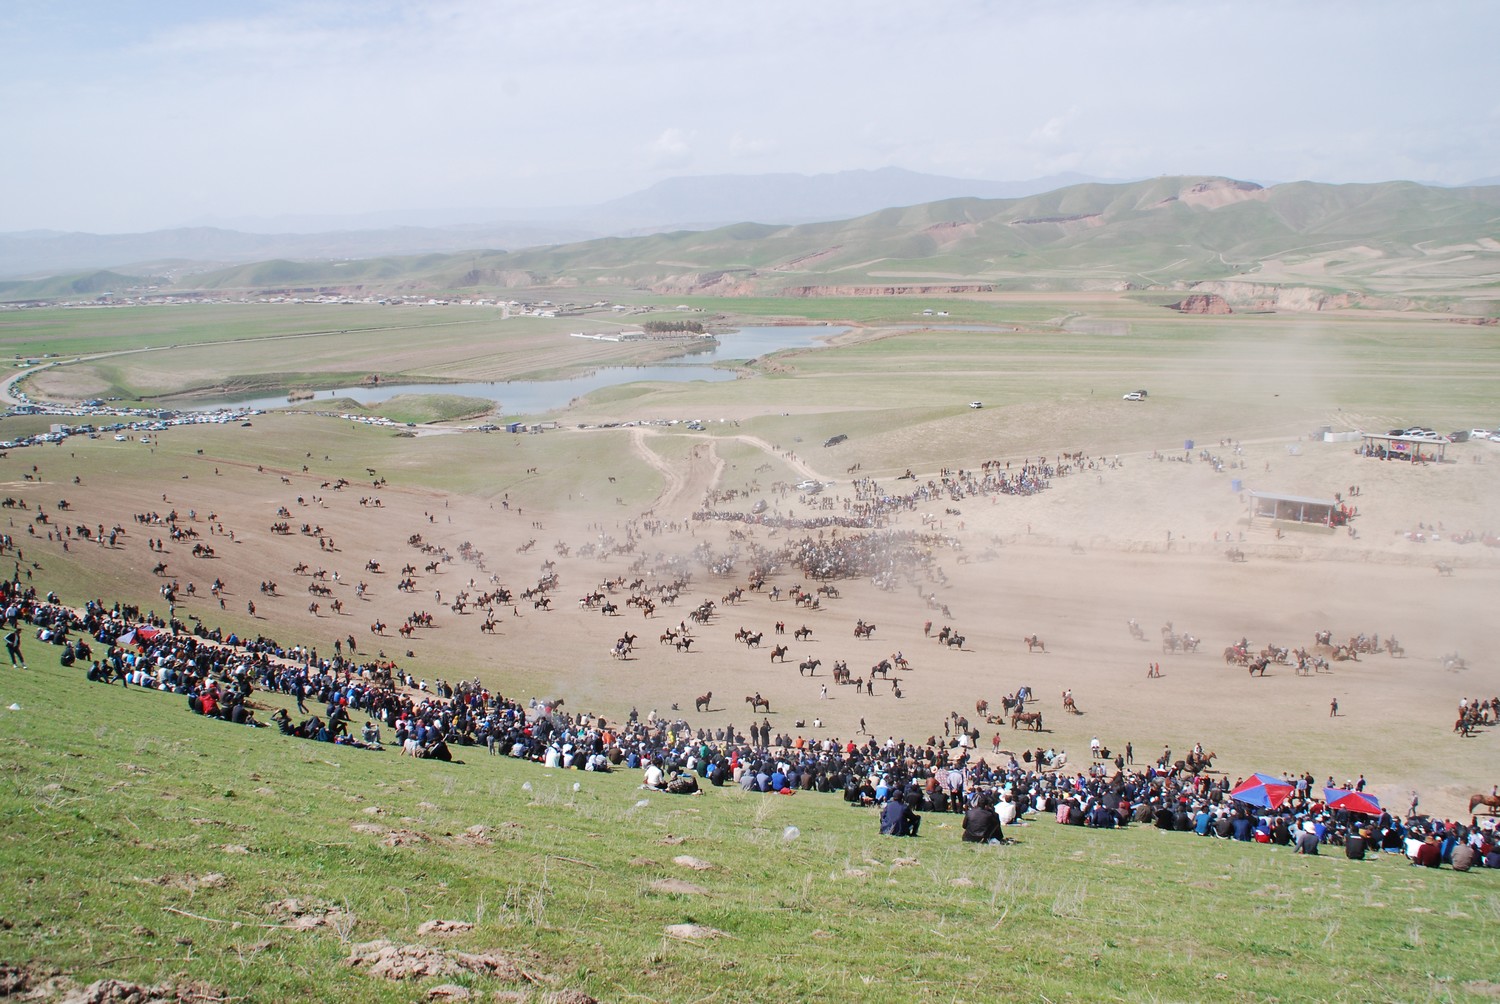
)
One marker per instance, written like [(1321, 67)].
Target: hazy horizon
[(125, 120)]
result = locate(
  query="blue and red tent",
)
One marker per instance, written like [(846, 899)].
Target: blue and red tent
[(1354, 801), (1263, 790)]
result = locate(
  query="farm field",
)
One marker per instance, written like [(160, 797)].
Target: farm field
[(1138, 529)]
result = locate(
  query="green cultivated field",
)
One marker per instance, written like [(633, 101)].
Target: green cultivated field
[(140, 841)]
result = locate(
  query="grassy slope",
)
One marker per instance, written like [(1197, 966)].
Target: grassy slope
[(117, 804), (1397, 235)]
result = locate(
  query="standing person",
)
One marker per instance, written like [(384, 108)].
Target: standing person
[(1129, 754), (13, 647), (1333, 708)]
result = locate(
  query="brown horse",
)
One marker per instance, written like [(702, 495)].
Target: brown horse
[(757, 702), (1033, 643), (981, 707), (1492, 802), (1030, 719), (702, 703)]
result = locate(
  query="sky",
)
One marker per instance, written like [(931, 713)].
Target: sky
[(130, 115)]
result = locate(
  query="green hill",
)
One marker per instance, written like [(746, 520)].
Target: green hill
[(63, 287), (1385, 240)]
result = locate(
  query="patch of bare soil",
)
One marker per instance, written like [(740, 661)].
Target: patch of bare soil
[(444, 927), (399, 962), (109, 991), (188, 883), (309, 915)]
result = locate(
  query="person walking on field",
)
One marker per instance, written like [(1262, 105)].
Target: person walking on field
[(13, 647)]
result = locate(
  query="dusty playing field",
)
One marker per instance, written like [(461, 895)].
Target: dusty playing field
[(1134, 539)]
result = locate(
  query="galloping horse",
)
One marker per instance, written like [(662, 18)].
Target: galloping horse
[(701, 703), (1491, 801), (757, 702)]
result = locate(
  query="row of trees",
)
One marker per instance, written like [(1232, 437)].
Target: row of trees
[(674, 327)]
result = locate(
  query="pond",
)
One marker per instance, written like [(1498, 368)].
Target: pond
[(531, 397)]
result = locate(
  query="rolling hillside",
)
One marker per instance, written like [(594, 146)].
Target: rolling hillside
[(1301, 245)]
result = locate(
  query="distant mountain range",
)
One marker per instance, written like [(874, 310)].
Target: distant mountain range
[(697, 203), (1297, 246)]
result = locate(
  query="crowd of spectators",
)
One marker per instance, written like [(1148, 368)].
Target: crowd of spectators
[(900, 780)]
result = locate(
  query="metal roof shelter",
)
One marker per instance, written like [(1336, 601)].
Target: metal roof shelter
[(1403, 447), (1296, 508)]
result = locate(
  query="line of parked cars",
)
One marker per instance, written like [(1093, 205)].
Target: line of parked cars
[(1459, 436)]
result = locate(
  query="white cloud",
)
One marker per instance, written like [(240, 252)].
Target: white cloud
[(743, 147), (671, 149), (301, 106)]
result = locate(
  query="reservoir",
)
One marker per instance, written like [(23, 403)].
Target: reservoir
[(531, 397)]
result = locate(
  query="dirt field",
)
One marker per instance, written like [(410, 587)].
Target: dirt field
[(1141, 538)]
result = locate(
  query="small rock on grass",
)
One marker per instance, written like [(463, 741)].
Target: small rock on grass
[(678, 886), (688, 861), (693, 932)]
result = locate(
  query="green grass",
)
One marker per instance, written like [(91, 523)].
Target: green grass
[(119, 806), (418, 408)]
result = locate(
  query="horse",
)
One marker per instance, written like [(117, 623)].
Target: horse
[(779, 652), (1258, 666), (1033, 643), (809, 667), (1492, 802), (802, 633), (1030, 719), (863, 630), (1070, 706), (702, 703), (981, 707), (757, 702), (956, 641)]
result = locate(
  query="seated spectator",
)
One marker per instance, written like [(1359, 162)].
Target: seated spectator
[(1464, 857), (1354, 845), (897, 819), (1307, 838), (982, 823)]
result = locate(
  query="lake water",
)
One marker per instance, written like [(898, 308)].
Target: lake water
[(531, 397)]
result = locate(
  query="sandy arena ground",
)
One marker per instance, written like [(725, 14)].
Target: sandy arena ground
[(1143, 538)]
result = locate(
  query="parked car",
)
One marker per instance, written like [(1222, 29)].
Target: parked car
[(835, 440), (976, 404), (1135, 395)]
